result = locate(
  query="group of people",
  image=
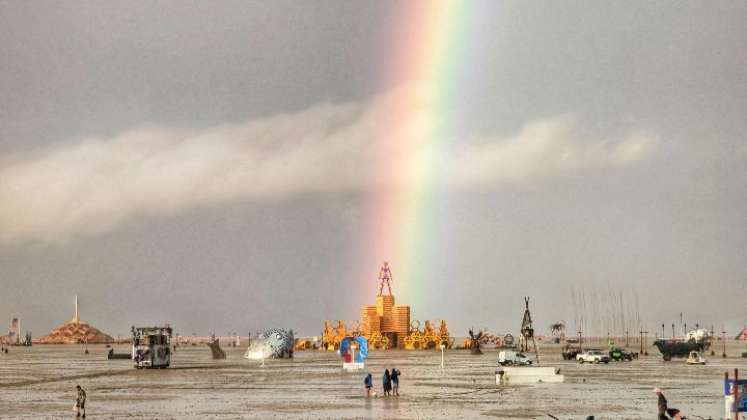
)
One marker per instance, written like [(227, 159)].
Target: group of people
[(390, 382)]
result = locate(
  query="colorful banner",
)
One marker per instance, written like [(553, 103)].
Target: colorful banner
[(361, 351), (729, 395)]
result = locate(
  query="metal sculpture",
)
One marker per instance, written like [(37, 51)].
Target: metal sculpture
[(557, 328), (429, 337), (527, 331), (475, 341), (332, 336), (215, 349), (557, 331), (483, 338), (378, 341), (385, 276), (275, 343)]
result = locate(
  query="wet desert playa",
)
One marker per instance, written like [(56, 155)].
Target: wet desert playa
[(39, 382)]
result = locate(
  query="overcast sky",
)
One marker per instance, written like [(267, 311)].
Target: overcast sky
[(211, 164)]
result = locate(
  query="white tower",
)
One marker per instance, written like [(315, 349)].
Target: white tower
[(76, 318)]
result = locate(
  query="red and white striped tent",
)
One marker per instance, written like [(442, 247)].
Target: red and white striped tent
[(742, 334)]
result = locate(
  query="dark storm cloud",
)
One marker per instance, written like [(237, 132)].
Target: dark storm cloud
[(627, 120)]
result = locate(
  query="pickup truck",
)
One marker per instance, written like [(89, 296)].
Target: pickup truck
[(509, 357), (593, 356)]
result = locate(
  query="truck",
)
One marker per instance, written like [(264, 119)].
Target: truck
[(593, 356), (510, 357), (570, 351), (698, 340), (670, 348), (618, 354), (151, 347)]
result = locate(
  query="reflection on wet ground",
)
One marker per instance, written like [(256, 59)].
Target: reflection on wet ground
[(39, 382)]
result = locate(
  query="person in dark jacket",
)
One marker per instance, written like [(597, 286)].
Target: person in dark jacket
[(395, 381), (387, 382), (662, 405), (666, 413), (80, 402), (368, 383)]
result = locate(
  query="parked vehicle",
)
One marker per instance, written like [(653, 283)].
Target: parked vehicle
[(570, 352), (679, 348), (510, 357), (593, 356), (151, 347), (695, 359), (617, 354), (111, 355)]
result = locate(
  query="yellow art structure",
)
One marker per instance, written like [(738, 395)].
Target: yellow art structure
[(331, 337), (387, 325), (429, 338)]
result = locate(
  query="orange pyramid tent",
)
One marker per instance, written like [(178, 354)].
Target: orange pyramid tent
[(75, 331)]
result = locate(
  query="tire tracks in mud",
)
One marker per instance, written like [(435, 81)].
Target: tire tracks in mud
[(108, 373)]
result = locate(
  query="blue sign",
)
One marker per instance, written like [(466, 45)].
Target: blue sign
[(742, 389), (362, 348)]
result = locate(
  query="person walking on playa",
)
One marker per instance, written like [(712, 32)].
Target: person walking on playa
[(395, 381), (387, 382), (368, 383), (666, 413), (80, 402)]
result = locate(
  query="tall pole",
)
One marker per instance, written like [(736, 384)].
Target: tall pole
[(645, 349), (641, 342), (580, 341), (673, 331), (713, 334), (723, 342), (680, 321), (442, 355), (662, 331), (626, 338), (736, 394), (76, 318)]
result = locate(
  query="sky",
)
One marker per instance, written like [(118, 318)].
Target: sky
[(234, 166)]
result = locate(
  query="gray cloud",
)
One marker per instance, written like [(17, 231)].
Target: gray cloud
[(91, 185)]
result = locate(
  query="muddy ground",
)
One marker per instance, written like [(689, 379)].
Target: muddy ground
[(39, 382)]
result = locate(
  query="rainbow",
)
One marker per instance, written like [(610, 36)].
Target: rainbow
[(427, 42)]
